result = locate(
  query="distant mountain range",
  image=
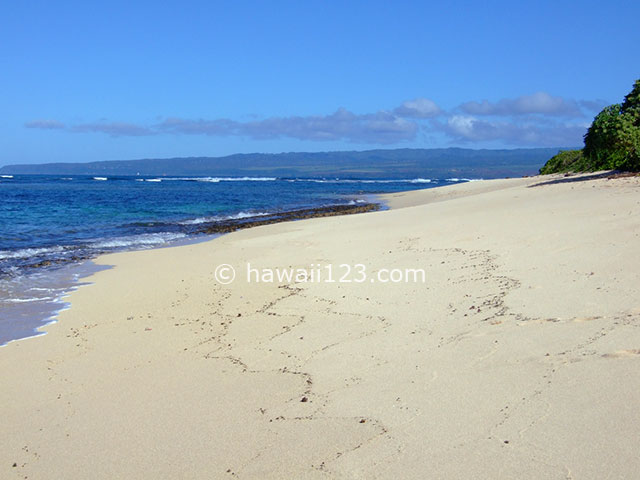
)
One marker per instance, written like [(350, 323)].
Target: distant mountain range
[(396, 163)]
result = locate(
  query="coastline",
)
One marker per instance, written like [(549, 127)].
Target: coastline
[(527, 325), (76, 268)]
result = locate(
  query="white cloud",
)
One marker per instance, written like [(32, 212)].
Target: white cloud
[(468, 129), (115, 129), (418, 108), (461, 125), (538, 103), (380, 128), (45, 124), (532, 120)]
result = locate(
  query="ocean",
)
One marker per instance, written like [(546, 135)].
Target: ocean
[(52, 225)]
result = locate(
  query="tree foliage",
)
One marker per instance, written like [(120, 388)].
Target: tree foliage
[(631, 102), (612, 141), (566, 161), (600, 141)]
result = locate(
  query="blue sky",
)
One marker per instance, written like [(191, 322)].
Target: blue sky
[(84, 81)]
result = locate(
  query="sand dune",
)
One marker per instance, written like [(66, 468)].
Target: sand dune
[(517, 357)]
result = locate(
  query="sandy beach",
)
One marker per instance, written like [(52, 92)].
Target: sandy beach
[(518, 356)]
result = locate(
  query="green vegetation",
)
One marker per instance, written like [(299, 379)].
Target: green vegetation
[(611, 143), (566, 161)]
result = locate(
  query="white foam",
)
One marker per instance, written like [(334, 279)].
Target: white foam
[(237, 216), (221, 179), (100, 178), (146, 239), (42, 310), (28, 252), (271, 179), (6, 176), (351, 180), (29, 300)]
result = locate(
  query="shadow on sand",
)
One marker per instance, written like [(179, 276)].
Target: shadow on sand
[(570, 178)]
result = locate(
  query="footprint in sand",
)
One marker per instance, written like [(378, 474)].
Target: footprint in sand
[(623, 353)]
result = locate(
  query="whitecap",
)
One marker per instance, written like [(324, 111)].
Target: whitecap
[(146, 239), (29, 300), (362, 180), (28, 252), (222, 179), (218, 218)]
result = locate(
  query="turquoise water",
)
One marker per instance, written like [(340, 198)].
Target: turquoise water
[(49, 225)]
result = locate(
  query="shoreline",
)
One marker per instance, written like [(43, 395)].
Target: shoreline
[(233, 225), (85, 267), (223, 225), (487, 369)]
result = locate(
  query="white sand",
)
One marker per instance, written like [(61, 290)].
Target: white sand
[(519, 357)]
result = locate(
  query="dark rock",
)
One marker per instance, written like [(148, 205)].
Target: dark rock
[(227, 226)]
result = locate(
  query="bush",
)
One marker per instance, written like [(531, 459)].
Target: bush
[(567, 161), (611, 143), (613, 139)]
